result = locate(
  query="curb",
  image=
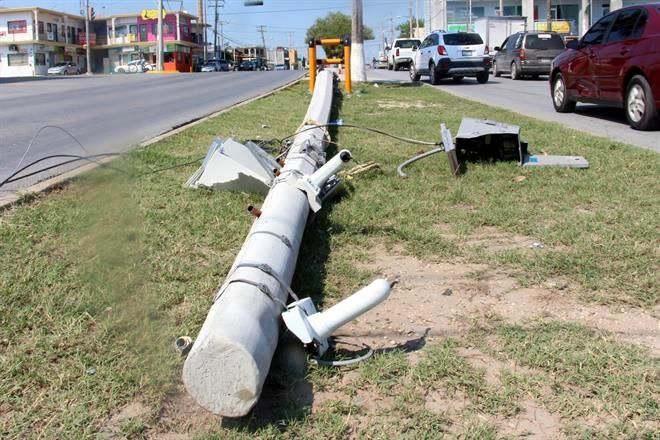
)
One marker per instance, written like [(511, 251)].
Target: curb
[(56, 181)]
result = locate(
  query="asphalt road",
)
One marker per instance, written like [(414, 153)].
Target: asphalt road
[(532, 98), (111, 113)]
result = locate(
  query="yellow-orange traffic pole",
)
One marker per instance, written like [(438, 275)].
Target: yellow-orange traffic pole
[(348, 87), (311, 53)]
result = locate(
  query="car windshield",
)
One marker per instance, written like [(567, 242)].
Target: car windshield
[(462, 39), (60, 64), (407, 44), (544, 41), (209, 64)]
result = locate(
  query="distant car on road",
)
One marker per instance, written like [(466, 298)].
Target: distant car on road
[(527, 53), (65, 68), (256, 64), (401, 53), (136, 66), (450, 55), (280, 67), (616, 63), (379, 63), (215, 66)]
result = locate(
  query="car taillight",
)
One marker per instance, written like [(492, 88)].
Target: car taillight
[(397, 51), (523, 54), (442, 50)]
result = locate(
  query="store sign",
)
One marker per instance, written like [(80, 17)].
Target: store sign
[(559, 26), (151, 14), (82, 38), (17, 27)]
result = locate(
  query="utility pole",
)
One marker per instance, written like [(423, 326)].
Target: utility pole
[(262, 29), (201, 12), (222, 38), (549, 15), (88, 49), (216, 4), (410, 19), (358, 69), (160, 56)]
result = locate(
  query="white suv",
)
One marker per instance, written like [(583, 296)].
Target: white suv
[(401, 52), (451, 54)]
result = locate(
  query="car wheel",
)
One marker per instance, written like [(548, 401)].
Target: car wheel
[(496, 72), (640, 104), (396, 66), (482, 77), (457, 79), (414, 76), (560, 97), (514, 71), (389, 66), (435, 78)]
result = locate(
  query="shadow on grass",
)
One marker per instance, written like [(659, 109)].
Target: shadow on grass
[(287, 396)]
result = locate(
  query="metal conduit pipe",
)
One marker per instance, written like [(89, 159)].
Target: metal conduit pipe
[(228, 363)]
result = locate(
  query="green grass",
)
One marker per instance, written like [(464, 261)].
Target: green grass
[(100, 276)]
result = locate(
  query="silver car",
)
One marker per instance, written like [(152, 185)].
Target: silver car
[(64, 68)]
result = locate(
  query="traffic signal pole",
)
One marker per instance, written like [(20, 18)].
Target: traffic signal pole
[(88, 50)]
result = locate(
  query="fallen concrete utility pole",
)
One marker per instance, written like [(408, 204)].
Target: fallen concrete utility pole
[(230, 358)]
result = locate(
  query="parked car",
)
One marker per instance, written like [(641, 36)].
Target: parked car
[(617, 63), (451, 54), (256, 64), (135, 66), (65, 68), (215, 66), (401, 53), (527, 53), (280, 67), (379, 62)]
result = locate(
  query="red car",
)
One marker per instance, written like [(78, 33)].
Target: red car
[(617, 63)]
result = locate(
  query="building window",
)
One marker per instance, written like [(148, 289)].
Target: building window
[(17, 27), (132, 29), (39, 59), (41, 27), (17, 59), (513, 10), (49, 27), (185, 30), (167, 29)]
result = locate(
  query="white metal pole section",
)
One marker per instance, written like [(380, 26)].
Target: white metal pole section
[(160, 56), (227, 366)]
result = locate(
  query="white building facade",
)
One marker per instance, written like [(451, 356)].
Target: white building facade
[(34, 39), (573, 17)]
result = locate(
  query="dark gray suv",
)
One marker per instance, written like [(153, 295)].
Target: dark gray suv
[(527, 53)]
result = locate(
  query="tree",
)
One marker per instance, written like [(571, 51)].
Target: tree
[(404, 28), (334, 25)]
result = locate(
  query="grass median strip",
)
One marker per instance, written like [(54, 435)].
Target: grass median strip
[(100, 276)]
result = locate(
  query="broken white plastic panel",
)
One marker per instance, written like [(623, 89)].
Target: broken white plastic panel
[(312, 184), (533, 161), (310, 326), (232, 166)]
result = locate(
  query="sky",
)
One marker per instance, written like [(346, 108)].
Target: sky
[(285, 21)]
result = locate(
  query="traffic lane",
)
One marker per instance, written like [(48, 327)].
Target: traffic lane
[(110, 114), (531, 97)]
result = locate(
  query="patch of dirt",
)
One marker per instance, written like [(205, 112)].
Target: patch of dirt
[(134, 410), (182, 418), (492, 239), (533, 422), (444, 299), (405, 104)]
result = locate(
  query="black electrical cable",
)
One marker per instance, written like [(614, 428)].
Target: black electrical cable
[(74, 158)]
